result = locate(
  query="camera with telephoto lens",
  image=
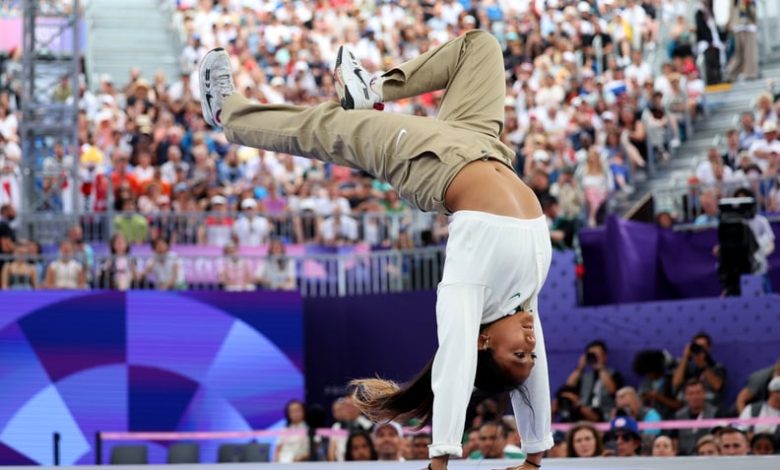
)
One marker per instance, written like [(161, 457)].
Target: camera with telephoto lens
[(696, 348), (591, 358)]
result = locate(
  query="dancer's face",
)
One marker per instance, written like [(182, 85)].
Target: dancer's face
[(513, 341)]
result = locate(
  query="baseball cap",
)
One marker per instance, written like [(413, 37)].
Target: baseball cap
[(398, 429), (218, 199), (624, 423), (774, 384), (769, 126), (248, 203), (608, 116), (541, 156)]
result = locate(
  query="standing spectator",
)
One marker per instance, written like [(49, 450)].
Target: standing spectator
[(119, 270), (697, 363), (596, 381), (743, 23), (65, 272), (251, 228), (387, 440), (756, 388), (360, 447), (164, 267), (696, 407), (235, 275), (733, 442), (584, 440), (663, 446), (278, 271), (19, 274), (293, 447), (769, 408)]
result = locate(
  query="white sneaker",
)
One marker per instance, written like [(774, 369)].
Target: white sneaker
[(353, 83), (216, 85)]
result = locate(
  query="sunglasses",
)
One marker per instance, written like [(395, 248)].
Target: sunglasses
[(624, 436)]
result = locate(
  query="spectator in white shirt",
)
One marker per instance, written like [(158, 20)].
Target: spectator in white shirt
[(252, 229), (169, 168), (638, 69), (713, 171), (339, 228), (769, 408), (768, 148), (144, 171)]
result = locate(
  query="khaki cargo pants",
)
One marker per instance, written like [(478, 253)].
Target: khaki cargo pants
[(418, 156)]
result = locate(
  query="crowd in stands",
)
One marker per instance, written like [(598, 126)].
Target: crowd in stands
[(585, 111), (686, 388)]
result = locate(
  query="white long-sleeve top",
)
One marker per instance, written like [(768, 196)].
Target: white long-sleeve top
[(493, 265)]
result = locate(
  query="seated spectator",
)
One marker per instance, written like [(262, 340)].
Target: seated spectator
[(663, 446), (559, 450), (339, 229), (712, 171), (769, 408), (584, 440), (733, 442), (763, 444), (293, 447), (252, 229), (571, 201), (472, 442), (387, 441), (419, 447), (655, 389), (696, 407), (697, 363), (732, 154), (561, 229), (19, 274), (627, 401), (596, 381), (235, 275), (756, 388), (709, 208), (65, 272), (360, 447), (707, 446), (164, 269), (118, 271), (749, 133), (133, 226), (765, 150), (492, 440), (625, 431), (82, 252), (512, 448), (218, 226), (278, 271)]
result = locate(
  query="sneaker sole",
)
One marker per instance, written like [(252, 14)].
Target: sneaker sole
[(205, 87)]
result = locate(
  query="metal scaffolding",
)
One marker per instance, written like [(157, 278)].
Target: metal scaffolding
[(52, 63)]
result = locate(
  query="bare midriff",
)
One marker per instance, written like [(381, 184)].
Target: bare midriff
[(492, 187)]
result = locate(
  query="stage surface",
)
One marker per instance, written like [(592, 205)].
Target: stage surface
[(637, 463)]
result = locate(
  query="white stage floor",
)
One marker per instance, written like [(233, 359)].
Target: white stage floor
[(636, 463)]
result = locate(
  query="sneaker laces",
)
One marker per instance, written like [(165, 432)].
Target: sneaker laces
[(224, 83)]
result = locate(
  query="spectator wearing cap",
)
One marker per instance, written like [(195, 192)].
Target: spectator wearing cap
[(707, 446), (218, 226), (596, 381), (769, 408), (733, 442), (767, 149), (625, 431), (387, 441), (696, 407), (252, 229)]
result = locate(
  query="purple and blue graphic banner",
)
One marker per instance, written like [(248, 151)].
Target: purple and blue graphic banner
[(77, 363)]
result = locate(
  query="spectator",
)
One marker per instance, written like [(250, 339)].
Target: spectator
[(763, 444), (492, 440), (235, 275), (743, 23), (218, 226), (769, 408), (711, 172), (559, 449), (628, 402), (278, 271), (19, 274), (387, 441), (293, 447), (697, 362), (512, 448), (133, 226), (339, 229), (707, 446), (765, 150), (360, 447), (596, 181), (163, 270), (596, 381), (709, 208), (251, 228), (472, 442), (731, 156), (749, 133), (583, 440), (7, 233), (757, 387), (118, 271), (420, 443), (65, 272), (733, 442), (625, 431), (663, 446), (696, 407), (82, 252), (567, 406), (765, 237)]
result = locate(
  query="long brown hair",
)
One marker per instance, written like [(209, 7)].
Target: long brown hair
[(596, 435), (384, 400)]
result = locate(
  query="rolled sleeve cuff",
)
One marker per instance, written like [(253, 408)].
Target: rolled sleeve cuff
[(534, 447), (455, 450)]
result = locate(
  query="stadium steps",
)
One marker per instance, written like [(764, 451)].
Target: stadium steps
[(122, 34), (724, 107)]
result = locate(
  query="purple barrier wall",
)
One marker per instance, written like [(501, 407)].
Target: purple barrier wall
[(394, 335), (635, 262)]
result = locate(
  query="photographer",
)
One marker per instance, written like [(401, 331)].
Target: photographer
[(567, 407), (697, 363), (596, 382)]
